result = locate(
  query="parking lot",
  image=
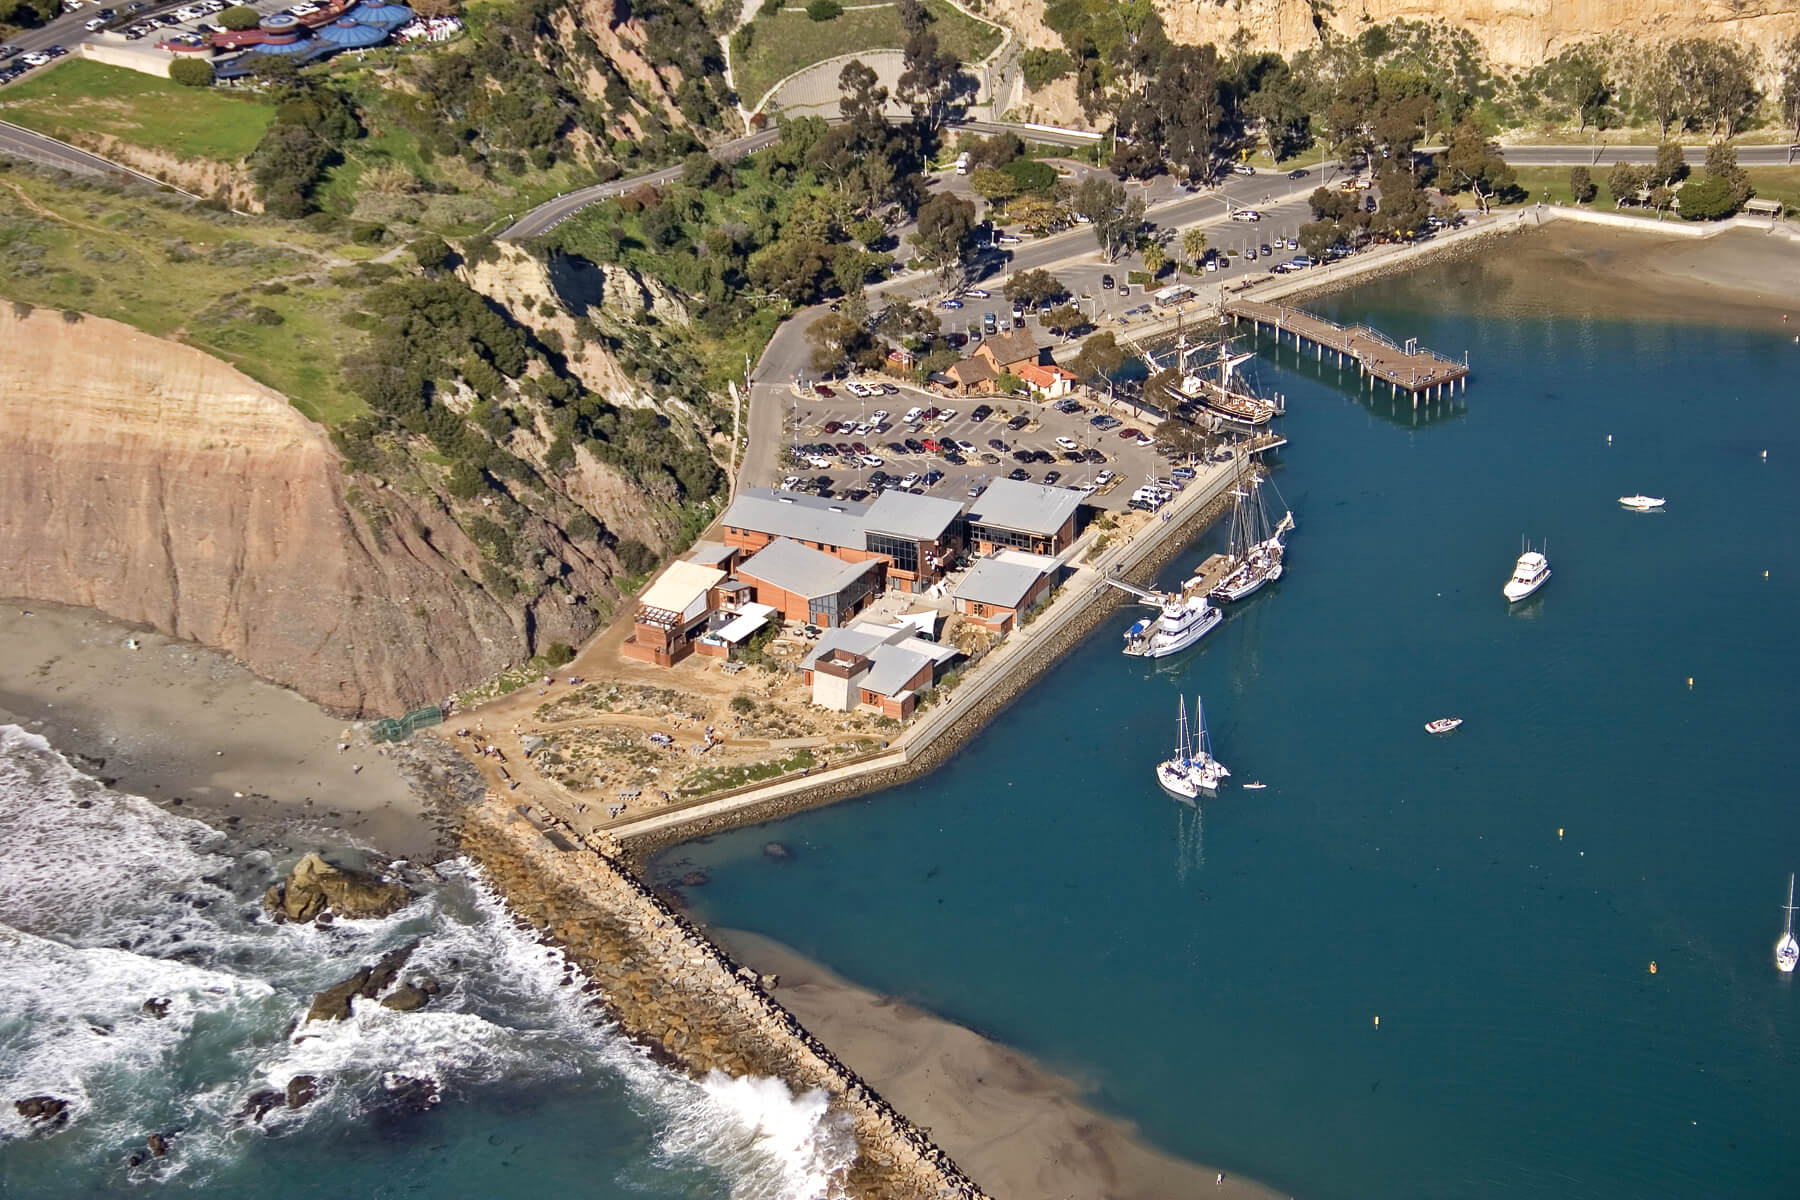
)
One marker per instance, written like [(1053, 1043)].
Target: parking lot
[(961, 449)]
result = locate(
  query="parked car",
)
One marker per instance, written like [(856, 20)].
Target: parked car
[(1104, 478), (820, 389), (951, 304), (997, 444), (830, 427), (1068, 405), (1007, 239), (976, 293), (1092, 455), (1019, 422), (915, 446), (913, 414), (1128, 434), (872, 460), (878, 416), (1066, 443), (1242, 169), (1106, 281), (1020, 474), (1052, 476), (1182, 472), (982, 412), (1246, 214), (1073, 456)]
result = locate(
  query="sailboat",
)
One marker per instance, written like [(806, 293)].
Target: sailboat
[(1787, 951), (1193, 769), (1256, 548), (1224, 395)]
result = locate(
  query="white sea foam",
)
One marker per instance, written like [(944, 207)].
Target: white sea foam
[(107, 901)]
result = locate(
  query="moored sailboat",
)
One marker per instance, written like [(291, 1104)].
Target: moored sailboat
[(1193, 769), (1256, 549), (1223, 395)]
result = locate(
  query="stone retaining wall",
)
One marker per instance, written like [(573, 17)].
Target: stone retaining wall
[(684, 998)]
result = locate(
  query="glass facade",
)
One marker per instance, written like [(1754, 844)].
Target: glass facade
[(1006, 537), (903, 551)]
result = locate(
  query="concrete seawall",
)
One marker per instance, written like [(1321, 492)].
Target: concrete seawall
[(684, 998)]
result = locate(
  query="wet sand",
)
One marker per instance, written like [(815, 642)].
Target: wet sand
[(1019, 1130), (173, 721)]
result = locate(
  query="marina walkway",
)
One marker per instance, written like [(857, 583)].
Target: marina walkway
[(1410, 368)]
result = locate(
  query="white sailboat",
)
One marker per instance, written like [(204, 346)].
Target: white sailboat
[(1787, 951), (1193, 769), (1530, 573), (1256, 550)]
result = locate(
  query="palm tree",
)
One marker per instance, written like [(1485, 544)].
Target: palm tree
[(1155, 258), (1193, 244)]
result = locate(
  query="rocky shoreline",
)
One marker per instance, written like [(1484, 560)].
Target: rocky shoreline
[(1021, 674), (683, 997)]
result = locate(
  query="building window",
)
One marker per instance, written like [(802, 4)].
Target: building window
[(1005, 537), (978, 608), (903, 551)]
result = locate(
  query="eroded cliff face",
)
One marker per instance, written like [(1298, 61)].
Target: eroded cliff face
[(160, 485), (1514, 33)]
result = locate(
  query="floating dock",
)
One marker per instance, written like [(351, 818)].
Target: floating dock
[(1410, 368)]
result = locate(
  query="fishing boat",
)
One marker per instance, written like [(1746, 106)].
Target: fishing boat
[(1442, 724), (1530, 573), (1216, 387), (1182, 619), (1193, 769), (1256, 548), (1641, 503), (1787, 951)]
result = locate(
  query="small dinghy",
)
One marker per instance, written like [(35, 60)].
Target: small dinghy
[(1442, 724), (1641, 503), (1255, 787)]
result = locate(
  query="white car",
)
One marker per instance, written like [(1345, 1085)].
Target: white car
[(1087, 489), (819, 462), (1212, 264), (1246, 214), (304, 9), (855, 388), (790, 483), (912, 415), (1007, 239), (977, 293), (1145, 439), (188, 14), (1066, 443), (878, 416), (36, 58), (94, 25), (1242, 169), (911, 480), (872, 460), (862, 428), (948, 414), (967, 447), (1104, 478)]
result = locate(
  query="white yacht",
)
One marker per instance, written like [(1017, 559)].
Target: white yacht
[(1641, 503), (1787, 951), (1193, 770), (1531, 573), (1183, 621)]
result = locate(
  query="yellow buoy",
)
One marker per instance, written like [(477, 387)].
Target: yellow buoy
[(1690, 683), (1653, 966), (1378, 1022), (1559, 833)]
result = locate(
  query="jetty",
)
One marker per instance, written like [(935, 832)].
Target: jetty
[(1410, 368)]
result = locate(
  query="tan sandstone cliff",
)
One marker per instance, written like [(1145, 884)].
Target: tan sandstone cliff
[(1515, 33), (160, 485)]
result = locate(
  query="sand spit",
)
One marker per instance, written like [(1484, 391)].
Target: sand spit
[(670, 986)]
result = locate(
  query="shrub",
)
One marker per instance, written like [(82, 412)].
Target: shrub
[(742, 704), (192, 72), (824, 10), (581, 527), (1708, 198), (262, 314), (635, 557), (239, 16), (556, 654), (1042, 66)]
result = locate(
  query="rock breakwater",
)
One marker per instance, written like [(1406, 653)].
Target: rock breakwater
[(681, 995)]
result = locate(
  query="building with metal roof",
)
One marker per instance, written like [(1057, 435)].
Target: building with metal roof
[(918, 535), (1026, 516), (805, 584), (671, 613), (876, 666), (760, 515), (998, 589)]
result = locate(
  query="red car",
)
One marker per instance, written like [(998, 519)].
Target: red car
[(859, 447), (932, 414), (820, 389), (931, 445), (1130, 433), (831, 427)]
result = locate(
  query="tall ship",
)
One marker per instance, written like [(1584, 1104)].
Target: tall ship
[(1255, 554), (1182, 619), (1216, 387), (1530, 573), (1193, 770)]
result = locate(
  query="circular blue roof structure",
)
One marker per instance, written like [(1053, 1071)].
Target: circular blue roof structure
[(346, 34), (278, 22), (291, 49), (382, 16)]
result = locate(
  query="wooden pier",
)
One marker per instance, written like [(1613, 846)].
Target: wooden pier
[(1410, 368)]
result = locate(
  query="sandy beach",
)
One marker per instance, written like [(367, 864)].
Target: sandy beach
[(1018, 1129), (197, 732)]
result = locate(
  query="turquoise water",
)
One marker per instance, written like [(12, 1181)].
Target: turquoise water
[(1495, 896)]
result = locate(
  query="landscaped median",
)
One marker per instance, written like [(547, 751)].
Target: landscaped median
[(777, 44)]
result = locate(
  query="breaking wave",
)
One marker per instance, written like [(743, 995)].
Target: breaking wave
[(113, 911)]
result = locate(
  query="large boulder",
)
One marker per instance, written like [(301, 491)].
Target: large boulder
[(333, 1004), (44, 1112), (314, 886)]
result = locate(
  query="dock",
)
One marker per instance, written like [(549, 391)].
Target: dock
[(1411, 368)]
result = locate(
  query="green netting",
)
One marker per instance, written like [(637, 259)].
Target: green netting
[(390, 730)]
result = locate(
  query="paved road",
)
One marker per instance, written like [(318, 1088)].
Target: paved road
[(35, 147)]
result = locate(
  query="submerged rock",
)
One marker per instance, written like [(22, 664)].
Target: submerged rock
[(259, 1103), (44, 1112), (777, 850), (157, 1006), (411, 1095), (157, 1145), (315, 885), (405, 998), (300, 1091), (694, 879)]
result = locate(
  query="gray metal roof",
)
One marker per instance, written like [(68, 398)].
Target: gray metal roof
[(797, 515), (894, 665), (998, 582), (853, 640), (906, 515), (710, 554), (788, 565), (1025, 507)]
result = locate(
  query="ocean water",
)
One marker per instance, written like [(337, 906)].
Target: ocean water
[(107, 901), (1413, 966)]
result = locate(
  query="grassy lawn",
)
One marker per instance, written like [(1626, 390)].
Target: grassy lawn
[(80, 96), (1551, 185), (186, 273), (789, 40)]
